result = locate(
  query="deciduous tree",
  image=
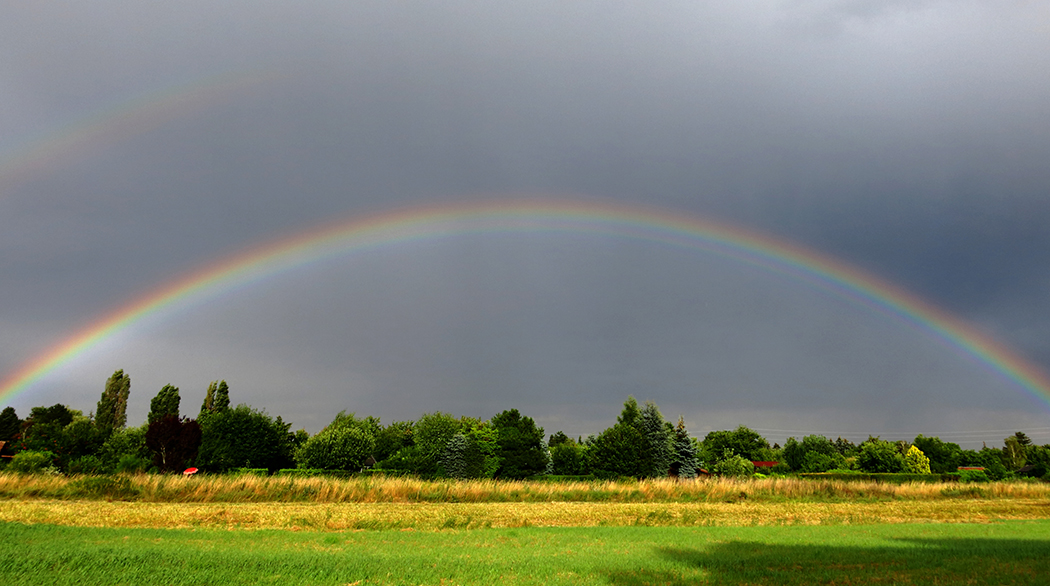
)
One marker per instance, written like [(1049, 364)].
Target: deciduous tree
[(641, 444), (878, 455), (10, 425), (743, 441), (244, 437), (173, 441), (944, 456), (915, 462), (1014, 456), (462, 458), (344, 444)]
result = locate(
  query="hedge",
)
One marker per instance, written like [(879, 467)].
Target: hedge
[(888, 477)]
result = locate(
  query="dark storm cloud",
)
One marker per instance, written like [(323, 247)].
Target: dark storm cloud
[(908, 138)]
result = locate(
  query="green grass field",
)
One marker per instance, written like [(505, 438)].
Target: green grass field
[(1015, 552), (266, 530)]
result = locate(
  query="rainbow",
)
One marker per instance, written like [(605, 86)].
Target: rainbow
[(120, 122), (424, 223)]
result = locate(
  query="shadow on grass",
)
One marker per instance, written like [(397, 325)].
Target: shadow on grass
[(906, 561)]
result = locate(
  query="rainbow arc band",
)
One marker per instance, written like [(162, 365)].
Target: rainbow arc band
[(538, 215)]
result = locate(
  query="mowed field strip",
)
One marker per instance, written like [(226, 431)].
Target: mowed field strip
[(320, 504), (431, 516)]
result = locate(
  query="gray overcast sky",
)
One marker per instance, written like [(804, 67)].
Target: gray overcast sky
[(141, 140)]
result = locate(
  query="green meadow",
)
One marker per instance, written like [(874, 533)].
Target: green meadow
[(1014, 552), (230, 530)]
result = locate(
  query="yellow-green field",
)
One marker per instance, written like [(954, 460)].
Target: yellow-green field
[(378, 489), (430, 516), (253, 502), (271, 530)]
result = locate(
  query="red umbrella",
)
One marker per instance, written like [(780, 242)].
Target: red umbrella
[(189, 471)]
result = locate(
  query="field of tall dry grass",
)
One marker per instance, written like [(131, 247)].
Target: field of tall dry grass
[(249, 488), (317, 503)]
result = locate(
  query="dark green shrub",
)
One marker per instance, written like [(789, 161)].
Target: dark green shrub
[(744, 442), (970, 476), (820, 462), (617, 451), (519, 448), (122, 443), (32, 462), (408, 460), (132, 464), (568, 458), (733, 465), (880, 456), (893, 478), (462, 458), (780, 468), (243, 437), (336, 448), (87, 465)]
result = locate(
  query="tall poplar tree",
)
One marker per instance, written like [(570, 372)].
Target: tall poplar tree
[(217, 399), (222, 397), (165, 403), (111, 412)]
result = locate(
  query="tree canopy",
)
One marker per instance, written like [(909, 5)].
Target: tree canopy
[(111, 412), (165, 403)]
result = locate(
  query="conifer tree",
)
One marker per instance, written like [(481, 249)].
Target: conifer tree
[(520, 444), (685, 464), (630, 415), (659, 439), (111, 412), (641, 444)]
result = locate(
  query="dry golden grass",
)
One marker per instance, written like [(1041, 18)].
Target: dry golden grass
[(316, 503), (430, 516), (377, 489)]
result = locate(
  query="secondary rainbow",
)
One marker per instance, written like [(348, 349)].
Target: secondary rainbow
[(121, 122), (419, 223)]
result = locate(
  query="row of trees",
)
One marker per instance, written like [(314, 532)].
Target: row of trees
[(220, 438), (509, 445)]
